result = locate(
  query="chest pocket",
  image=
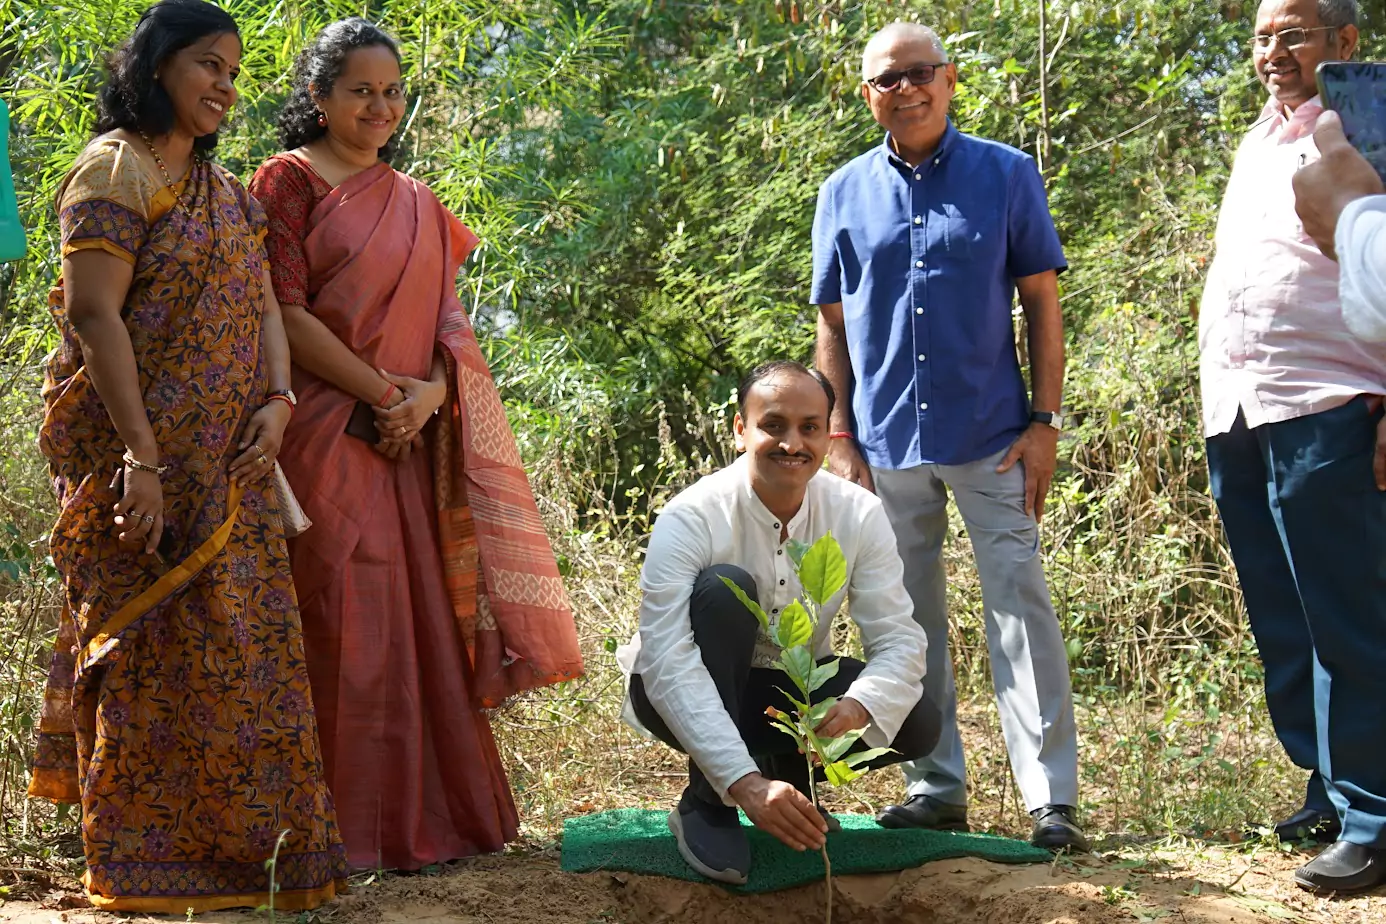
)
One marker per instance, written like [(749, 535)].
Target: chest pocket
[(970, 232)]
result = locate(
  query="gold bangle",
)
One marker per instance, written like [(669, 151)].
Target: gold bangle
[(131, 462)]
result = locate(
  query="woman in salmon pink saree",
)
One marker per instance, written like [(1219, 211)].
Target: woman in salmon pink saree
[(427, 585)]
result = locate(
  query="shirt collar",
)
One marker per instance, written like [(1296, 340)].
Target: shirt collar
[(1295, 125), (945, 144)]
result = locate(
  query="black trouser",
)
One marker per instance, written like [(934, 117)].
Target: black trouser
[(725, 632)]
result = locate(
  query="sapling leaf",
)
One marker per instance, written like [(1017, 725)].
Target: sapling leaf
[(820, 711), (861, 757), (823, 571), (797, 662), (821, 674), (791, 732), (840, 774), (835, 748), (747, 602), (797, 549), (795, 627), (803, 708)]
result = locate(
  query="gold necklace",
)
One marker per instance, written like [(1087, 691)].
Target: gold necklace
[(164, 170)]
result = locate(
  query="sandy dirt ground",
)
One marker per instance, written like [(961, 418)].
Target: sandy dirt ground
[(1199, 885)]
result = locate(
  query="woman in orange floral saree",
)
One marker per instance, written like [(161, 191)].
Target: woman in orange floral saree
[(428, 588), (178, 711)]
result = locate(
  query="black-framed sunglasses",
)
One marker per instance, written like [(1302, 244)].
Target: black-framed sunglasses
[(918, 76), (1290, 39)]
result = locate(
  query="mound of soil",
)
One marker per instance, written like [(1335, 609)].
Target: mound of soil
[(533, 890)]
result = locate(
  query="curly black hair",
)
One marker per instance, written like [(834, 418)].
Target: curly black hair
[(132, 99), (318, 68)]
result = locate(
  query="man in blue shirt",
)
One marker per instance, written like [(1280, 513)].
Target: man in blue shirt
[(918, 249)]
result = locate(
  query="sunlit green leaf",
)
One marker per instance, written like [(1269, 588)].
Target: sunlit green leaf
[(823, 571), (821, 674), (795, 628), (798, 664), (840, 773), (746, 601), (861, 757), (834, 749)]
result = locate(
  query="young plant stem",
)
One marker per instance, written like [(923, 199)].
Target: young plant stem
[(827, 864)]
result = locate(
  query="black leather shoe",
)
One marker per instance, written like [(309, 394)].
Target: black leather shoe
[(1309, 824), (834, 825), (1056, 829), (921, 811), (711, 840), (1344, 868)]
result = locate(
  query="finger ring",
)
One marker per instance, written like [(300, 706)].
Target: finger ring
[(263, 459), (147, 518)]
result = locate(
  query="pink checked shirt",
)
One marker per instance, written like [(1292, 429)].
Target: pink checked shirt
[(1271, 336)]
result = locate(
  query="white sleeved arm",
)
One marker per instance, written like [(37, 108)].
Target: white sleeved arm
[(670, 664), (1360, 240), (894, 644)]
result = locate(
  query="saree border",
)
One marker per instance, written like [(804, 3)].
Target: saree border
[(168, 584)]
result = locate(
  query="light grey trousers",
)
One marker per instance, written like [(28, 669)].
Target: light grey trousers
[(1029, 664)]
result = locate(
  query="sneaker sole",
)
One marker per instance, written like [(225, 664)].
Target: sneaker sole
[(729, 876)]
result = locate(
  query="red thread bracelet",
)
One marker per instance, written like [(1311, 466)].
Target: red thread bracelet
[(842, 435), (388, 392), (285, 399)]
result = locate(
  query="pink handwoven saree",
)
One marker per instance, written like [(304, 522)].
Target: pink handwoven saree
[(428, 588)]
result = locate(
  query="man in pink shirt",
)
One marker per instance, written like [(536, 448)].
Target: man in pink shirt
[(1290, 411)]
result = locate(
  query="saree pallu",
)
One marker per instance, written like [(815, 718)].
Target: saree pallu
[(178, 710), (429, 589)]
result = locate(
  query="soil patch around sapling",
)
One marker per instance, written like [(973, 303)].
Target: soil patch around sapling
[(529, 888)]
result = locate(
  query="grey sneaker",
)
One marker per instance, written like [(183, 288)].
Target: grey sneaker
[(711, 840), (921, 811), (1056, 829)]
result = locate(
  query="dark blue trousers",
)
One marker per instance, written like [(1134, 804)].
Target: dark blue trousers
[(1307, 529)]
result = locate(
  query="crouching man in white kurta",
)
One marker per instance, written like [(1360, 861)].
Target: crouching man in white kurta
[(700, 666)]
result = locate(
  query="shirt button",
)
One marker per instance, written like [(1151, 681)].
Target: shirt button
[(781, 582), (779, 551), (774, 612), (777, 526), (936, 161), (924, 406), (919, 264), (919, 310), (919, 219), (918, 176), (921, 357)]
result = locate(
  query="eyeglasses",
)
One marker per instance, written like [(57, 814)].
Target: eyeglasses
[(1289, 38), (918, 76)]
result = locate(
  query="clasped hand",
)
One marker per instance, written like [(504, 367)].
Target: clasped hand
[(411, 406)]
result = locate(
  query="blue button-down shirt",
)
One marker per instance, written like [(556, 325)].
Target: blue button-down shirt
[(924, 262)]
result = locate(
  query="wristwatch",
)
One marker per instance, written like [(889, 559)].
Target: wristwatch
[(287, 395), (1049, 418)]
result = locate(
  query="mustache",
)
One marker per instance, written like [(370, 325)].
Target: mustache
[(796, 455)]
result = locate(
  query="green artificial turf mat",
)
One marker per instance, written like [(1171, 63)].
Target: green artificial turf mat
[(638, 841)]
